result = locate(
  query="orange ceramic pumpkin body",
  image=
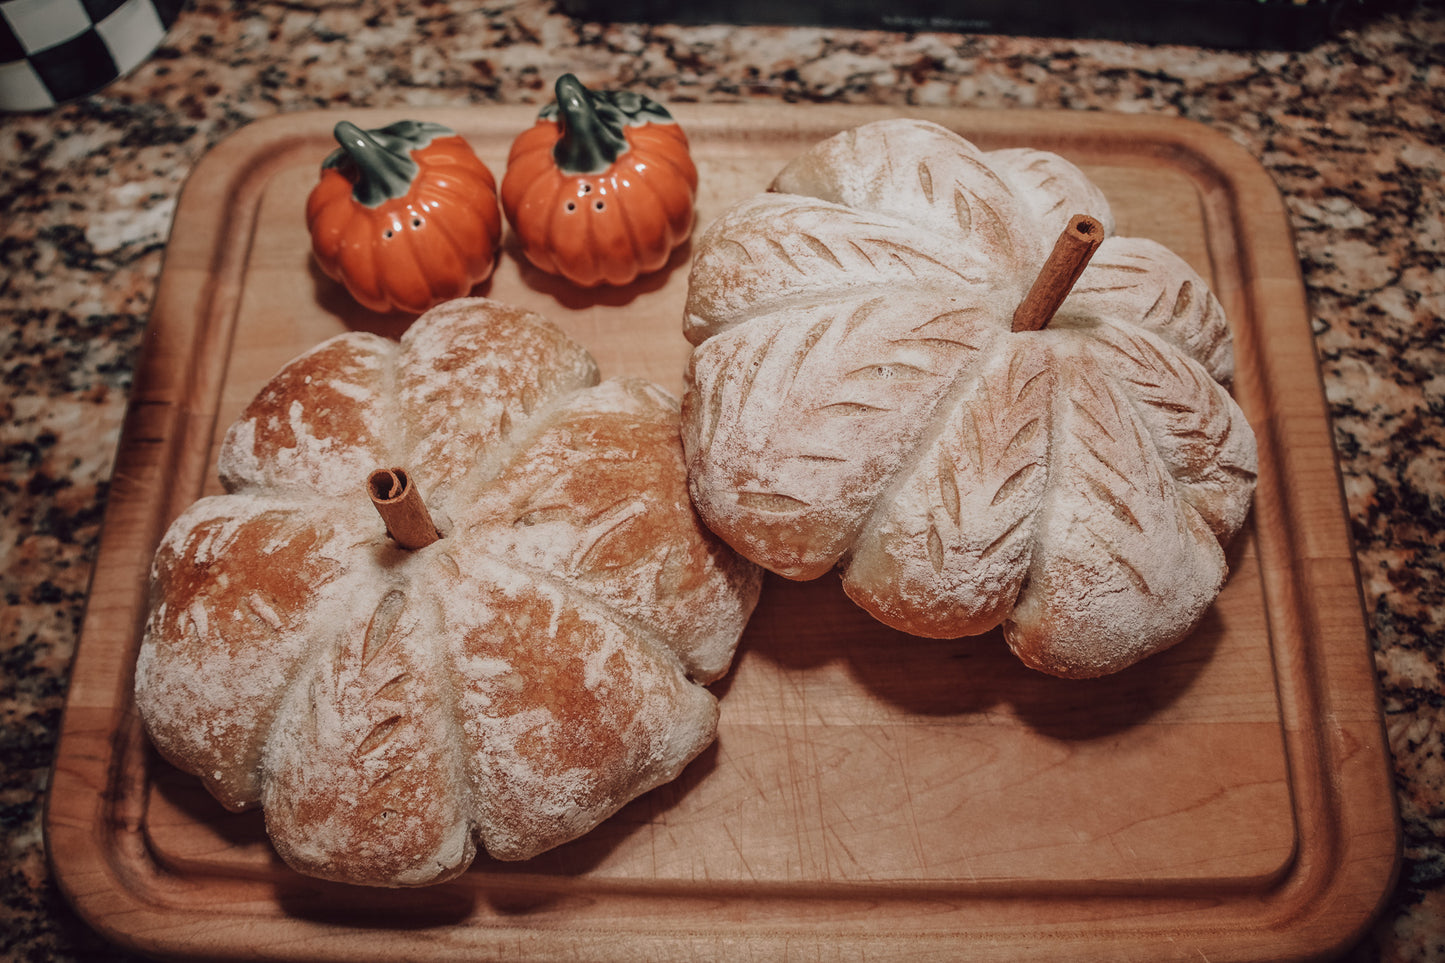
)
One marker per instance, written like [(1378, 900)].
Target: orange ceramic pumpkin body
[(615, 208), (406, 217)]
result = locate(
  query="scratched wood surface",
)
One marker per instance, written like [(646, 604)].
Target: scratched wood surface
[(869, 795)]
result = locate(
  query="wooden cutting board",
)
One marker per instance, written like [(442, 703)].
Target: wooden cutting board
[(869, 795)]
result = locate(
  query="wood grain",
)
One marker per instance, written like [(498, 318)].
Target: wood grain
[(869, 795)]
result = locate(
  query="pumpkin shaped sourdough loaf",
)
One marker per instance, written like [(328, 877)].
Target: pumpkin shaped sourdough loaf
[(858, 397), (515, 681)]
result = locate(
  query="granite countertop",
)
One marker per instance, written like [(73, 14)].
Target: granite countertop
[(1350, 131)]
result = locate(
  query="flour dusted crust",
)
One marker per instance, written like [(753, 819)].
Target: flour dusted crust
[(857, 399), (512, 684)]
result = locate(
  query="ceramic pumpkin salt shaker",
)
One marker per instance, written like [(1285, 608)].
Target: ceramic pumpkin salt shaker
[(405, 216), (600, 190)]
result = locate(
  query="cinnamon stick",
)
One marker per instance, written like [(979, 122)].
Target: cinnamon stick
[(401, 507), (1076, 244)]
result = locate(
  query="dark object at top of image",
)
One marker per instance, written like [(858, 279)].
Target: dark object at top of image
[(1230, 24)]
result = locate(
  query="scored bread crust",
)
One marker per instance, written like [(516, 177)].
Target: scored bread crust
[(513, 683), (856, 399)]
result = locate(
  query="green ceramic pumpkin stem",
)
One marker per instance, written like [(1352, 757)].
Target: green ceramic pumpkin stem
[(387, 169), (589, 143)]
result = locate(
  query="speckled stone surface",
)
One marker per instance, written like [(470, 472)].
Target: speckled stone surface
[(1350, 130)]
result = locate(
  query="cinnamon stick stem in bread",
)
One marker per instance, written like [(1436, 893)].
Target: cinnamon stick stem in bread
[(401, 507), (1072, 251)]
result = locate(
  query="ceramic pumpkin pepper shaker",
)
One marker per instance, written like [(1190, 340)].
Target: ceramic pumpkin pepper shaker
[(405, 216), (601, 189)]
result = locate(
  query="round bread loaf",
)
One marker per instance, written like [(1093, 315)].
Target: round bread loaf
[(512, 683), (858, 397)]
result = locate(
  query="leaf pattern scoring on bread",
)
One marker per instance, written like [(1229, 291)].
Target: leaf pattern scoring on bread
[(857, 399), (509, 685)]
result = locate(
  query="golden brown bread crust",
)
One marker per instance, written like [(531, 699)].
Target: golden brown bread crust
[(857, 399), (512, 684)]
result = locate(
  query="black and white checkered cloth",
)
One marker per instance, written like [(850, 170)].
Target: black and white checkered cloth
[(52, 51)]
